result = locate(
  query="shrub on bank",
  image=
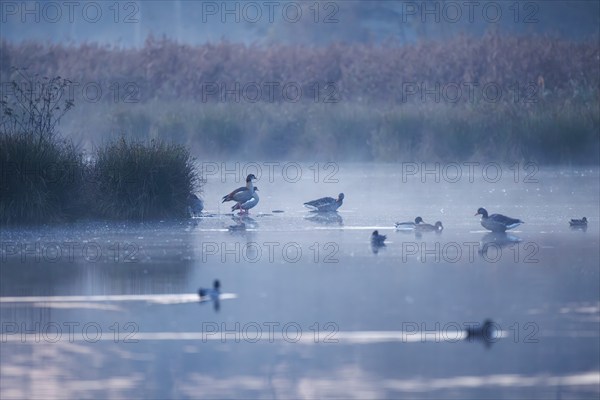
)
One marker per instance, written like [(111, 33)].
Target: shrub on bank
[(44, 178)]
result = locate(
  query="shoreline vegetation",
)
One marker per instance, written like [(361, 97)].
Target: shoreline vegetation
[(499, 97), (496, 97), (45, 178)]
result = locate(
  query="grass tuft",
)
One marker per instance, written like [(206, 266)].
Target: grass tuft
[(142, 180)]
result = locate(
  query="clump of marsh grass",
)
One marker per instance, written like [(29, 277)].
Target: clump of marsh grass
[(142, 180), (44, 178), (41, 179), (40, 173)]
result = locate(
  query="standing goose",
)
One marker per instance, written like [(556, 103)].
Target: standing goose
[(245, 206), (409, 225), (242, 194), (497, 222), (325, 203)]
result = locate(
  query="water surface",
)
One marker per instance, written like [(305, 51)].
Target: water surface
[(312, 310)]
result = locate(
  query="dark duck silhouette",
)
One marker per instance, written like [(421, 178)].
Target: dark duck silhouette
[(483, 333), (377, 239), (211, 294), (578, 222)]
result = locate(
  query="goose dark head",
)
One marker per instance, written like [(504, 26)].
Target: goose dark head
[(418, 220), (216, 284), (250, 178), (483, 212), (340, 196), (439, 226), (584, 219)]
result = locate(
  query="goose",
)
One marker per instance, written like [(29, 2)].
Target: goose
[(245, 206), (377, 239), (497, 222), (325, 203), (195, 205), (409, 225), (578, 222), (242, 194), (438, 227)]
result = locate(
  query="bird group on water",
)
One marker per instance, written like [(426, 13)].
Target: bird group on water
[(246, 197)]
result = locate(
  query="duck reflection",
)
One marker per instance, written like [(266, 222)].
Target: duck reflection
[(325, 218), (496, 241), (377, 241)]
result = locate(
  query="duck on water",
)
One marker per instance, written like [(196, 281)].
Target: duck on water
[(409, 225)]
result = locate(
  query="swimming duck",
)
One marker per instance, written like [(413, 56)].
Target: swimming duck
[(242, 195), (438, 227), (377, 239), (195, 205), (484, 332), (578, 222), (245, 206), (212, 293), (409, 225), (497, 222), (325, 203)]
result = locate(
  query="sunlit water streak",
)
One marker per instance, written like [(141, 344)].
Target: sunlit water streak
[(150, 298)]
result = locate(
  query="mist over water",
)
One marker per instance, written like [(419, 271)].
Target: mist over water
[(410, 109)]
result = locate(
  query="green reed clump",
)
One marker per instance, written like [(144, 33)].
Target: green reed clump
[(142, 180)]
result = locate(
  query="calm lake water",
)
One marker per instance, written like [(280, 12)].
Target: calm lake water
[(310, 309)]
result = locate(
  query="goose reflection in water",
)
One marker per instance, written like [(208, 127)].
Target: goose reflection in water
[(242, 223), (326, 218), (497, 241)]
